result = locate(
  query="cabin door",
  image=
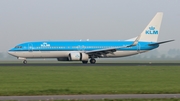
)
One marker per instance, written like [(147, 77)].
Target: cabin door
[(138, 48), (30, 47)]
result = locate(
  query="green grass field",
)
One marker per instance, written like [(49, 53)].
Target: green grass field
[(56, 80)]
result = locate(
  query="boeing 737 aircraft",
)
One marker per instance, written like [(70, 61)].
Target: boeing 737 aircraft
[(90, 50)]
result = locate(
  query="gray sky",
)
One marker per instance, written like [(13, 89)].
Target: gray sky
[(33, 20)]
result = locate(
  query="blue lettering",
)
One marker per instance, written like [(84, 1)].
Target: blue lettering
[(147, 32), (155, 32), (151, 31)]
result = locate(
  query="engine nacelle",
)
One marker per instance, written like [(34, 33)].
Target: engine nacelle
[(76, 56)]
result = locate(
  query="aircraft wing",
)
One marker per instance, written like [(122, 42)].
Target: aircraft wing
[(104, 51), (113, 49)]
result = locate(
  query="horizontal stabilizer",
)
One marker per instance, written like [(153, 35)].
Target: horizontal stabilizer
[(160, 42)]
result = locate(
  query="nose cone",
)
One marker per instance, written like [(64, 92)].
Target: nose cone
[(11, 52)]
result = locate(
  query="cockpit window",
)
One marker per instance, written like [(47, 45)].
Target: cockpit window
[(18, 47)]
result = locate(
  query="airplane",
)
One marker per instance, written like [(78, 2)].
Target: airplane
[(90, 50)]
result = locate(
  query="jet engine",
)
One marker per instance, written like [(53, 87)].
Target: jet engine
[(76, 56)]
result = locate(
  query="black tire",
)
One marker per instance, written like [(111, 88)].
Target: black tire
[(84, 62), (92, 61), (24, 62)]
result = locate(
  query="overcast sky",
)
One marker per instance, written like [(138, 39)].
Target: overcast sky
[(33, 20)]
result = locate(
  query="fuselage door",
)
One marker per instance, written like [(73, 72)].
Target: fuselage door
[(30, 47), (138, 48)]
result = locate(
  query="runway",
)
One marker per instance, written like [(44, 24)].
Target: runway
[(97, 64), (89, 97)]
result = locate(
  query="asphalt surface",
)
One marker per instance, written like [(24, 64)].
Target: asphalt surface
[(97, 64), (89, 97)]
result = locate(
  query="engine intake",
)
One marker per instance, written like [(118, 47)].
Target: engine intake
[(76, 56)]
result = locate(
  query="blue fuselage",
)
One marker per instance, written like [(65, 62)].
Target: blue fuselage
[(80, 46)]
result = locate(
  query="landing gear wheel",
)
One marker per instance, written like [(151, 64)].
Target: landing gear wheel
[(92, 61), (84, 62), (24, 62)]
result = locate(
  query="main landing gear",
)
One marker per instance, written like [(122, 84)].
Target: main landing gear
[(24, 61), (92, 61)]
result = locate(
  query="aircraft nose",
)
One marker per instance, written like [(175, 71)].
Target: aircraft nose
[(11, 53)]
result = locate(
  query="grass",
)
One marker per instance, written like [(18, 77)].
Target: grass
[(56, 80)]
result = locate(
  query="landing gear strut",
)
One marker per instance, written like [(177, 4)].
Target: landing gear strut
[(92, 61), (24, 61)]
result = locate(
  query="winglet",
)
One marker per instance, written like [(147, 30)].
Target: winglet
[(135, 41)]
